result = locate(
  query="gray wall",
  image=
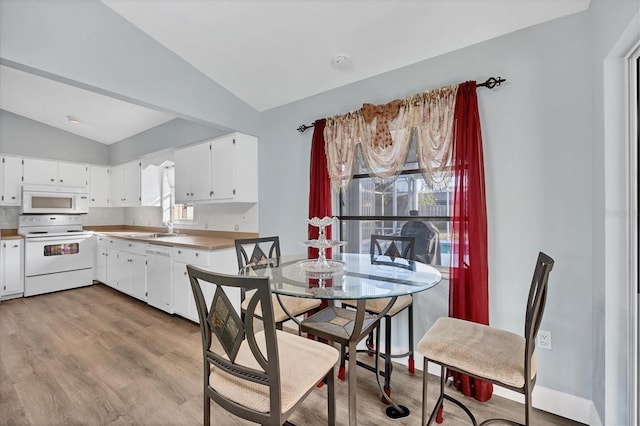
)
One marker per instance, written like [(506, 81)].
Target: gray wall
[(22, 136), (168, 135), (543, 173)]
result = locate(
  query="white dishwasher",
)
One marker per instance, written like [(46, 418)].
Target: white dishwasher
[(159, 277)]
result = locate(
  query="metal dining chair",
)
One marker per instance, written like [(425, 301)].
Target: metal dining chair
[(255, 371), (259, 253), (503, 358), (390, 250)]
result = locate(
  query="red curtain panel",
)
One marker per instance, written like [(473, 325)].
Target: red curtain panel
[(319, 186), (469, 271)]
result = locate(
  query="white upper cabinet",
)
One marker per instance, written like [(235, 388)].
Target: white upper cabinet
[(50, 172), (223, 184), (11, 181), (125, 184), (222, 170), (73, 174), (99, 186), (192, 173), (234, 168)]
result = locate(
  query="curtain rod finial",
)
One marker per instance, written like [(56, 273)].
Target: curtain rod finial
[(304, 128), (493, 82)]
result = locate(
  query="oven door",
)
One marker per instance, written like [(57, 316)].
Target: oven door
[(48, 255)]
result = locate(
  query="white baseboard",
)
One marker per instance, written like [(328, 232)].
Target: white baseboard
[(552, 401)]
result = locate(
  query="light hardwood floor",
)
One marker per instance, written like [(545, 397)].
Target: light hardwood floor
[(92, 356)]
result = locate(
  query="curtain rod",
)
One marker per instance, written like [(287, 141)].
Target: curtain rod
[(489, 84)]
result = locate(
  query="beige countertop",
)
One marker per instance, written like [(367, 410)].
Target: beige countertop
[(10, 234), (198, 239)]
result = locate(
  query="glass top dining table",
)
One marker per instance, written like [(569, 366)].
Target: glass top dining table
[(348, 276)]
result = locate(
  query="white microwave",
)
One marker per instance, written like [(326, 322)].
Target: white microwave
[(54, 200)]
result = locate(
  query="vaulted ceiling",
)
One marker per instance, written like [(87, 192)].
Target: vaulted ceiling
[(273, 52)]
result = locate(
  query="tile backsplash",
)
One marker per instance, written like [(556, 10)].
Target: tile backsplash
[(242, 217)]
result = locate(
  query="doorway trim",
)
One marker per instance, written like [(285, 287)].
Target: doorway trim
[(633, 139)]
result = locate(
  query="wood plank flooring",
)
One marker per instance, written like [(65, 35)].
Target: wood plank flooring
[(92, 356)]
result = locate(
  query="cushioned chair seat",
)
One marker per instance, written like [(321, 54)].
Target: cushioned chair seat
[(377, 305), (297, 375), (456, 342), (295, 305)]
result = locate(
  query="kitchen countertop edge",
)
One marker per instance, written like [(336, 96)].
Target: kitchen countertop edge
[(203, 240)]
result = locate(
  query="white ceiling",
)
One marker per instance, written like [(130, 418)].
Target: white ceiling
[(103, 118), (273, 52)]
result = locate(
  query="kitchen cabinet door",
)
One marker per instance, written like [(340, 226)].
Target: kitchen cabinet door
[(223, 164), (73, 174), (99, 186), (115, 268), (11, 181), (38, 171), (234, 168), (125, 184), (200, 171), (192, 173), (101, 264), (181, 291), (137, 269), (12, 275)]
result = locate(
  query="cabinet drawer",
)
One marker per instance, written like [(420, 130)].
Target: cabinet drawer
[(126, 245), (191, 256)]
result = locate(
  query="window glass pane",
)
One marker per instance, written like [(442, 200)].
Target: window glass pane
[(182, 212), (405, 207)]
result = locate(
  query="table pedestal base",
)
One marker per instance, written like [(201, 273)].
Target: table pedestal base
[(397, 414)]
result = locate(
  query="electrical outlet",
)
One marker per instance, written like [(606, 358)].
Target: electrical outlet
[(544, 339)]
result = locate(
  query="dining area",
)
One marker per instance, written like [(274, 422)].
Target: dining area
[(262, 363)]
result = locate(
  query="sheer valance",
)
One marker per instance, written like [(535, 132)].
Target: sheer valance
[(383, 133)]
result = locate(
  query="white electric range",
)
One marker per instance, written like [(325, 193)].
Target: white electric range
[(58, 253)]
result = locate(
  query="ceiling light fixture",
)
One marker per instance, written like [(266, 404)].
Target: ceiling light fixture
[(73, 120), (341, 62)]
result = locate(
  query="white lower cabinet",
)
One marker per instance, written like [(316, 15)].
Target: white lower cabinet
[(223, 261), (158, 274), (11, 269), (121, 264), (100, 270)]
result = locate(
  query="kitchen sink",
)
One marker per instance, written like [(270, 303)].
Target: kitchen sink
[(154, 235)]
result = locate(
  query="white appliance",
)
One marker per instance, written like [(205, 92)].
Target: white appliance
[(43, 199), (159, 274), (58, 253)]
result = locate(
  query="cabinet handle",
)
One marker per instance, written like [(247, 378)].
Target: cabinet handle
[(179, 251), (197, 254), (61, 180), (185, 272), (130, 244), (16, 246), (13, 198), (210, 193), (93, 199), (53, 180)]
